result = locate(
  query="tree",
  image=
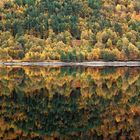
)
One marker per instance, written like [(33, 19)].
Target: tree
[(16, 52), (63, 56), (4, 56), (108, 55), (118, 28), (17, 28)]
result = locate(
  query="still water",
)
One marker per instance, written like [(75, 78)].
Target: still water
[(69, 103)]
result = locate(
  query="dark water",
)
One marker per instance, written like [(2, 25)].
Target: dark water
[(69, 103)]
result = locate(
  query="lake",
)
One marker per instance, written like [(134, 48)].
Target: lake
[(69, 103)]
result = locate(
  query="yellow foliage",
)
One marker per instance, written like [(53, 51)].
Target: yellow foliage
[(118, 118), (96, 53), (118, 7), (119, 54), (1, 4)]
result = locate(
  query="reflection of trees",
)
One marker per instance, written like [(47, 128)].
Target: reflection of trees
[(73, 102), (41, 115)]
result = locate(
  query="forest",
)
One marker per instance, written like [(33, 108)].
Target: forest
[(50, 103), (69, 30)]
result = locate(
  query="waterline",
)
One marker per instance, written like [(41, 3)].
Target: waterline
[(92, 63)]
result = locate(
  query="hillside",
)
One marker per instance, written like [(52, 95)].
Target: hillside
[(69, 30)]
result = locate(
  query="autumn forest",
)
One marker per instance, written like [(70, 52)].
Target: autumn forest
[(69, 69), (69, 30)]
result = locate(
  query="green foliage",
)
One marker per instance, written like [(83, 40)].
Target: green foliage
[(95, 4), (108, 56), (69, 57), (135, 26), (72, 56), (118, 28)]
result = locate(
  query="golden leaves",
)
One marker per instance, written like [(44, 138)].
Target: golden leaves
[(118, 118)]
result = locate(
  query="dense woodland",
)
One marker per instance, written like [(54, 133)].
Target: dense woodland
[(69, 103), (69, 30)]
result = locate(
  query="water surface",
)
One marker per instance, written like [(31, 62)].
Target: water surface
[(69, 103)]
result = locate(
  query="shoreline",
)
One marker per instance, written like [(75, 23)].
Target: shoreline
[(92, 63)]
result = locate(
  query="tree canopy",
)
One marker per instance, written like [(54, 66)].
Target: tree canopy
[(101, 26)]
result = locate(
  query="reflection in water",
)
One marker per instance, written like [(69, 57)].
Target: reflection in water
[(69, 103)]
